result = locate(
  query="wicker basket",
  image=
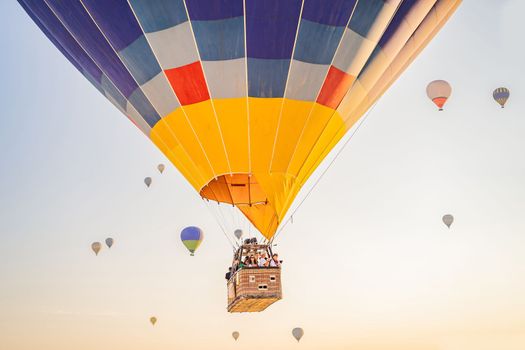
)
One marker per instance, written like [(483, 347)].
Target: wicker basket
[(254, 289)]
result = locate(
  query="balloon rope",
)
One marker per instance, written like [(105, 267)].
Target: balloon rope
[(323, 173), (215, 216)]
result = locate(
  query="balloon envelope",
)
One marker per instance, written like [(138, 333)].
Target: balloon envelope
[(501, 95), (439, 91), (250, 104), (109, 242), (96, 246), (192, 237), (161, 168), (235, 335), (147, 181), (153, 320), (448, 220), (238, 233), (297, 333)]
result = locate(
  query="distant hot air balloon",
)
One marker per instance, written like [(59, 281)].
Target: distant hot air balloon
[(297, 333), (448, 220), (147, 181), (161, 168), (439, 91), (96, 246), (109, 242), (238, 233), (501, 95), (235, 335), (245, 98), (153, 320), (192, 238)]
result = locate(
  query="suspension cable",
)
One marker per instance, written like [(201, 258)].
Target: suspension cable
[(323, 173), (215, 216)]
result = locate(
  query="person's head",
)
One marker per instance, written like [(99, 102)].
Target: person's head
[(252, 258), (264, 255), (246, 259)]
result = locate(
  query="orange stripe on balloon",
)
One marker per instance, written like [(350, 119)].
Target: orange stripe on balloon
[(188, 83), (440, 101), (335, 87)]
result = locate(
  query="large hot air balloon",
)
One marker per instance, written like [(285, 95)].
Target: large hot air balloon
[(192, 238), (297, 333), (96, 246), (439, 91), (501, 95), (245, 98), (235, 335), (147, 181)]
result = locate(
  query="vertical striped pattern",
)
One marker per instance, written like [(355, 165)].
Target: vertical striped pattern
[(245, 97)]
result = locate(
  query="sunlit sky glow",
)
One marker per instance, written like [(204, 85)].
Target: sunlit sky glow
[(368, 263)]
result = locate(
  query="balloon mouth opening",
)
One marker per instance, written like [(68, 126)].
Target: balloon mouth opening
[(243, 190), (236, 189), (441, 109), (192, 254)]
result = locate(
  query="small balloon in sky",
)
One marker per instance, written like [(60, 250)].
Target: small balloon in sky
[(147, 181), (501, 95), (192, 237), (153, 320), (297, 333), (448, 220), (439, 91), (235, 335), (96, 246), (161, 168), (238, 233), (109, 242)]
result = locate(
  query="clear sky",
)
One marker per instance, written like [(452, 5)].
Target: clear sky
[(368, 263)]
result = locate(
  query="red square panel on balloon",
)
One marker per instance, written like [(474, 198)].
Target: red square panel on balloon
[(335, 87), (188, 83)]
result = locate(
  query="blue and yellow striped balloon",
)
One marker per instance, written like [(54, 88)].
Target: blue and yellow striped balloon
[(192, 238), (501, 95)]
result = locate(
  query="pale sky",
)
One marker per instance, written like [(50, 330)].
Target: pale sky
[(368, 263)]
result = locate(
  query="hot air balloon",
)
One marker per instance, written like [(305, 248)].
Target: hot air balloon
[(501, 95), (96, 246), (235, 335), (238, 233), (448, 220), (297, 333), (192, 238), (161, 168), (109, 242), (147, 181), (153, 320), (439, 91), (245, 98)]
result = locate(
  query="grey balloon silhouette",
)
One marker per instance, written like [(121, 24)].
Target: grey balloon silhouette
[(238, 233), (109, 242), (297, 333), (448, 220), (147, 181)]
